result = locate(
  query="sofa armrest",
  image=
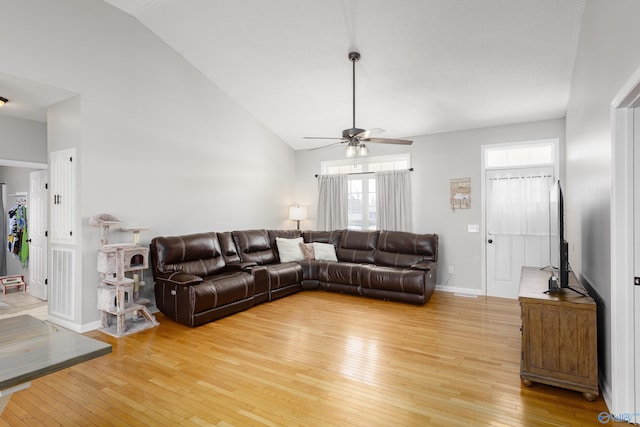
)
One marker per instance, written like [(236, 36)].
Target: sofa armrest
[(179, 278), (241, 266), (424, 265)]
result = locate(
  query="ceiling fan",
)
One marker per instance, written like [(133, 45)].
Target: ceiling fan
[(355, 137)]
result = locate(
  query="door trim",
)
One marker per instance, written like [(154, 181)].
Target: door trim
[(483, 210), (619, 392)]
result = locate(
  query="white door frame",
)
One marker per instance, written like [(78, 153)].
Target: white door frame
[(483, 210), (620, 393)]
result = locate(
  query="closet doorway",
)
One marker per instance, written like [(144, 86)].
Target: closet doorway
[(18, 188)]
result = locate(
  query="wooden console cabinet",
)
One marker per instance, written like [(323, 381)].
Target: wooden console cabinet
[(559, 335)]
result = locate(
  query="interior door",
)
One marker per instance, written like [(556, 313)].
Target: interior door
[(37, 218), (636, 257), (514, 240)]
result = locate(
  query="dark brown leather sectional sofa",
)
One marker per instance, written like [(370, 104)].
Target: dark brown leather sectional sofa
[(205, 276)]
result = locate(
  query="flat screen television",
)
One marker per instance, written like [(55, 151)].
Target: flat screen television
[(558, 246)]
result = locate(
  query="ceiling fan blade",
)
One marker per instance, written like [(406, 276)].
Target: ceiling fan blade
[(369, 133), (324, 146), (389, 141), (318, 137)]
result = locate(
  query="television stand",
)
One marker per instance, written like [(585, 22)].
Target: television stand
[(559, 291), (559, 335)]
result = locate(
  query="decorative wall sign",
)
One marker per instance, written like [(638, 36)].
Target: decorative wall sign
[(460, 193)]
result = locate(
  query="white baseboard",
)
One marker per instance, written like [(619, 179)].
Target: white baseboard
[(81, 329), (460, 290), (605, 389)]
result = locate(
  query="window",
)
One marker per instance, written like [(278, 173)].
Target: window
[(362, 202), (528, 154), (367, 164), (361, 191)]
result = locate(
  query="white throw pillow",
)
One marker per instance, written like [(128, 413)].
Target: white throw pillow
[(325, 251), (289, 249)]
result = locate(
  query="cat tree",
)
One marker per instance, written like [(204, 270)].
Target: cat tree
[(121, 266)]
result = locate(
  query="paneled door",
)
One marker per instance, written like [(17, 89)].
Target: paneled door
[(636, 256), (37, 217), (517, 218)]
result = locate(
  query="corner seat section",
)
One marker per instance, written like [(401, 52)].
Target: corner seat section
[(193, 282)]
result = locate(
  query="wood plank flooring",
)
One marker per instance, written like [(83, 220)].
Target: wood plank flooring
[(314, 358)]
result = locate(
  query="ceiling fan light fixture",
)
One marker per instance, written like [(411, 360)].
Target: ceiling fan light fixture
[(355, 136), (3, 101), (351, 150)]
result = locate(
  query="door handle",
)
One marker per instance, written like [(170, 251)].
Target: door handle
[(490, 241)]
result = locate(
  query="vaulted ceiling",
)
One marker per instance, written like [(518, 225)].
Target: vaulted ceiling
[(427, 66)]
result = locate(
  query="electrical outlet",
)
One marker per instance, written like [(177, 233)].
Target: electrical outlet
[(451, 269)]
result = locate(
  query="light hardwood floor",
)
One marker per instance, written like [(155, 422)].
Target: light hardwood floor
[(313, 358)]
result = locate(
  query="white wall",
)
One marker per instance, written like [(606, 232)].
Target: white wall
[(20, 141), (160, 145), (23, 140), (436, 159), (607, 56), (17, 180)]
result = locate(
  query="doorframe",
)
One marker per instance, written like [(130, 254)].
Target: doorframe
[(619, 392), (27, 165), (483, 210)]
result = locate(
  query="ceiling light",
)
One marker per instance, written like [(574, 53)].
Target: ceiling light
[(351, 150), (363, 150), (3, 101)]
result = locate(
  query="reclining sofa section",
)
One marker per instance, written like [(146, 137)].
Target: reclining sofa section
[(203, 277)]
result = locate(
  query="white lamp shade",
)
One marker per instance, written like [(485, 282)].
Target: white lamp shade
[(351, 151), (298, 213)]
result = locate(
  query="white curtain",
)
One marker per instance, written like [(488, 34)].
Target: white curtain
[(332, 202), (393, 200), (519, 205)]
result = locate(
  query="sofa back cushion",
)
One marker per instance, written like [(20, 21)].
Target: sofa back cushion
[(283, 234), (197, 254), (401, 249), (357, 246), (228, 246), (332, 237), (255, 246)]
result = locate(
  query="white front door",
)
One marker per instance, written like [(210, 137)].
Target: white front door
[(37, 217), (517, 225)]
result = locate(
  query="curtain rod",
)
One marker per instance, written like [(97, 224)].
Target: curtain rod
[(362, 173)]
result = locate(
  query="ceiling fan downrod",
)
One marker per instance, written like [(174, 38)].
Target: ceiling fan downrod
[(353, 57)]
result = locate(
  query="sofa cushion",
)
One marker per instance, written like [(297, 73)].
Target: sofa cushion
[(403, 280), (324, 251), (358, 246), (283, 234), (402, 249), (289, 249), (255, 246), (228, 247), (283, 275), (332, 237), (307, 251), (343, 273), (198, 254), (221, 289)]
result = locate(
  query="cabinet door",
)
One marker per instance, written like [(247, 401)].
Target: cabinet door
[(62, 200), (559, 344)]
